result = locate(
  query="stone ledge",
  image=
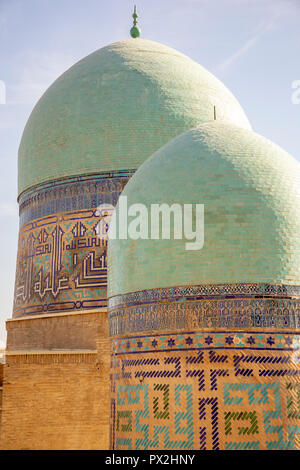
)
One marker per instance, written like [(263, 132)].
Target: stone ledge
[(51, 315), (51, 351)]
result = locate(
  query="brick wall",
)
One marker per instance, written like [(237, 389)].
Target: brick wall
[(57, 398), (74, 331), (1, 393)]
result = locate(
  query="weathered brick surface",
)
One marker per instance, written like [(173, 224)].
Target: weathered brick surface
[(55, 332), (57, 399), (1, 392)]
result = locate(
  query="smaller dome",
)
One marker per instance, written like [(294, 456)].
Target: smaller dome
[(250, 189)]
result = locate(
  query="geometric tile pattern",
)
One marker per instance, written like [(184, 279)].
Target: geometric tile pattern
[(205, 291), (209, 340), (208, 312), (70, 194), (206, 390), (61, 262)]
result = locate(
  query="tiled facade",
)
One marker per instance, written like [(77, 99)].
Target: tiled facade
[(205, 343), (62, 261), (184, 379)]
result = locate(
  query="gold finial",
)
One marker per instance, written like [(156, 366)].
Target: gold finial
[(135, 31), (215, 113)]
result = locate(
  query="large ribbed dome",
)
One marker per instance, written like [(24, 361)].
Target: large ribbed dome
[(250, 189), (116, 107)]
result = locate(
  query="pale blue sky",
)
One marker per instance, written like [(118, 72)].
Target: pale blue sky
[(251, 45)]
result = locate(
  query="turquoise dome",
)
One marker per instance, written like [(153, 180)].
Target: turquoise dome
[(115, 108), (250, 189)]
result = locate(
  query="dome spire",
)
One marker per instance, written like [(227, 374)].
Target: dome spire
[(135, 31)]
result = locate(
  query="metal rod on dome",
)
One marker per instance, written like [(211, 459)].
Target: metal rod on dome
[(135, 31), (215, 113), (135, 16)]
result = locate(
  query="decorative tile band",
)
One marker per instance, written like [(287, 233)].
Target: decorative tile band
[(69, 194), (207, 390), (208, 339), (61, 262), (61, 265), (204, 291), (206, 313)]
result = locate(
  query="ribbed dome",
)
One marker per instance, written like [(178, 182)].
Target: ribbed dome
[(250, 189), (116, 107)]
